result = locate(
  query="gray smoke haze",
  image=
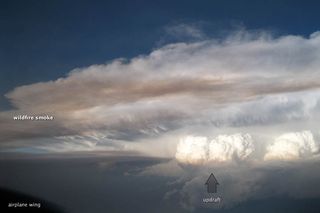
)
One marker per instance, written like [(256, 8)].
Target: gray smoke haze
[(120, 184), (179, 89)]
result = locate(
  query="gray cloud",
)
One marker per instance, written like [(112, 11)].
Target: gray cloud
[(239, 183)]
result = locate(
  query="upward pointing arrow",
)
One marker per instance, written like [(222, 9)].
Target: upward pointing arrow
[(212, 184)]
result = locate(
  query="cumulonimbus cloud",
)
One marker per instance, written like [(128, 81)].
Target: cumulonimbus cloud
[(223, 148), (226, 147), (239, 147), (207, 83), (292, 146), (192, 150)]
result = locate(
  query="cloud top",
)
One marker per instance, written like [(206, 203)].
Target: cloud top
[(292, 146), (241, 147), (223, 148), (192, 150), (227, 147)]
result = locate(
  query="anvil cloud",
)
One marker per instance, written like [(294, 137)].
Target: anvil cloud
[(247, 82)]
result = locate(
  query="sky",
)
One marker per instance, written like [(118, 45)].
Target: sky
[(190, 87)]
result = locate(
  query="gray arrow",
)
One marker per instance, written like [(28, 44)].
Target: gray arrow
[(212, 184)]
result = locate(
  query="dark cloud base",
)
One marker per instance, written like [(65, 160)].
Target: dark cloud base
[(113, 184)]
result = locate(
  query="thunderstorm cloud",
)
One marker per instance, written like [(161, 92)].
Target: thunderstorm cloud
[(247, 82)]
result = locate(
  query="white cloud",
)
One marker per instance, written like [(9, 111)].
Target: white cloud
[(186, 87), (227, 147), (292, 146), (224, 148), (192, 150), (185, 31), (242, 147)]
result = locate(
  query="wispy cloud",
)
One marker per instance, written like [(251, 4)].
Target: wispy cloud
[(245, 81)]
